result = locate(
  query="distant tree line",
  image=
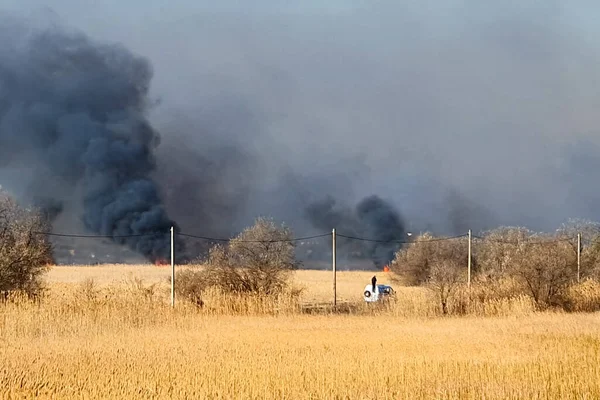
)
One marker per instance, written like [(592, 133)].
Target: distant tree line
[(507, 261)]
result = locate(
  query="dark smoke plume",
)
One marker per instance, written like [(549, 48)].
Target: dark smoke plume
[(73, 115), (482, 116), (373, 218), (383, 223)]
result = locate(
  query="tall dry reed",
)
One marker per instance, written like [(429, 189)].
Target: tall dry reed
[(90, 341)]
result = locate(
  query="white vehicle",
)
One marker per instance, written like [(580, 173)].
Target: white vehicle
[(380, 293)]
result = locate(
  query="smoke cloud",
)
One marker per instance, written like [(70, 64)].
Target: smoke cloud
[(460, 117), (73, 113), (373, 219)]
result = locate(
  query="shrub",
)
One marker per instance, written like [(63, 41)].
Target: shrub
[(448, 270), (190, 284), (258, 260), (546, 269), (412, 264), (542, 266), (438, 264), (24, 255), (590, 244), (583, 297), (500, 252), (138, 289)]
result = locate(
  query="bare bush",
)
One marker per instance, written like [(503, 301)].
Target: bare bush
[(259, 260), (137, 288), (412, 264), (500, 252), (448, 269), (440, 264), (24, 255), (590, 244), (543, 265), (547, 269), (190, 284), (508, 263), (88, 290), (583, 297), (590, 260)]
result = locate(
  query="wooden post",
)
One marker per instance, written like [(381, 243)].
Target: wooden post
[(469, 263), (578, 256), (172, 268), (334, 268)]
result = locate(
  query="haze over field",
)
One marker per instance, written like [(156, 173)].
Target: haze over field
[(459, 116)]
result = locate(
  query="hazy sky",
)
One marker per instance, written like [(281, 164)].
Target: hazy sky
[(497, 104)]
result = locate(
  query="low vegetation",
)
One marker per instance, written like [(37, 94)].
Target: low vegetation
[(119, 338), (24, 254), (248, 324), (508, 264), (258, 263)]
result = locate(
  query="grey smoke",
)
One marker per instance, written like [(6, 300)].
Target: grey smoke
[(372, 219), (74, 112), (463, 117), (382, 223)]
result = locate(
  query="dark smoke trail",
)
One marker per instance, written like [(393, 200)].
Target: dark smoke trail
[(372, 218), (380, 221), (74, 113)]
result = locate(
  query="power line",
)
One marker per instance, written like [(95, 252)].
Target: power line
[(525, 241), (203, 237), (95, 236), (180, 234), (400, 241), (213, 239), (254, 241)]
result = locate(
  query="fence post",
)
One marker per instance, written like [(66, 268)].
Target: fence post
[(172, 268), (469, 263), (578, 256), (334, 267)]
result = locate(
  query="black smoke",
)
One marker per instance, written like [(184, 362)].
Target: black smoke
[(374, 220), (476, 100), (206, 178), (73, 119)]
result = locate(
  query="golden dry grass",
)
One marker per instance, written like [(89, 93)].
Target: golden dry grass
[(107, 274), (317, 285), (121, 340)]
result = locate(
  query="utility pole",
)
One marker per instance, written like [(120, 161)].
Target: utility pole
[(578, 256), (334, 267), (469, 263), (172, 268)]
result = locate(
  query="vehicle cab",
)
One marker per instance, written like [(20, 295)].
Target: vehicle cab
[(380, 293)]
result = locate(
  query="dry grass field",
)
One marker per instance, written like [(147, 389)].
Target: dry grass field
[(118, 338), (317, 285)]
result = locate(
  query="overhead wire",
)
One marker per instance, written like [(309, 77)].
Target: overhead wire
[(207, 238), (214, 239), (400, 241), (179, 234), (548, 241), (94, 236)]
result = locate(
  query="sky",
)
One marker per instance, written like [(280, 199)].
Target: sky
[(461, 114)]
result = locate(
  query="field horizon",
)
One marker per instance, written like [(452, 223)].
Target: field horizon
[(317, 285)]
